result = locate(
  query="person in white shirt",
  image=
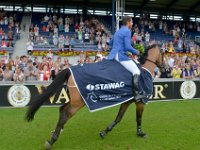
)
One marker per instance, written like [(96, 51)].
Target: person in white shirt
[(29, 45), (147, 37), (46, 18)]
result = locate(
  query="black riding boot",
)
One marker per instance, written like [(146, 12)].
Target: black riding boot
[(136, 88)]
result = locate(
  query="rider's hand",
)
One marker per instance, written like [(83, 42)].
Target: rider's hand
[(138, 53)]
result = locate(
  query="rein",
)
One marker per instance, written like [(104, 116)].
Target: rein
[(151, 61), (159, 65)]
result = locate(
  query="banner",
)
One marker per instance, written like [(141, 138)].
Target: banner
[(20, 95), (169, 89)]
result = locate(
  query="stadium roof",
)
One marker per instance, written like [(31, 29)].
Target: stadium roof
[(189, 7)]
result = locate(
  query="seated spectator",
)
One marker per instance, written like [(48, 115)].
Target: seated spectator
[(147, 37), (104, 40), (44, 28), (55, 39), (66, 27), (66, 44), (50, 54), (44, 62), (55, 70), (10, 43), (60, 27), (50, 62), (197, 72), (86, 37), (46, 18), (35, 62), (76, 27), (171, 47), (157, 73), (80, 34), (1, 74), (45, 73), (98, 58), (61, 41), (18, 75), (59, 62), (106, 48), (17, 61), (29, 45), (10, 35), (66, 64), (30, 72), (8, 73), (4, 43), (45, 41), (187, 72), (23, 62), (1, 31), (36, 30), (166, 72), (176, 72), (4, 36), (180, 45)]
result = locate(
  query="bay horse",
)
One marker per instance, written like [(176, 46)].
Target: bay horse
[(152, 58)]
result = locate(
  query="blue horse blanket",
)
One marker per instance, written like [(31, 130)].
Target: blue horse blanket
[(108, 83)]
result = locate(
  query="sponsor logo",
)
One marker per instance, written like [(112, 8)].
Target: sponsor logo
[(111, 97), (92, 96), (188, 89), (107, 86), (19, 95)]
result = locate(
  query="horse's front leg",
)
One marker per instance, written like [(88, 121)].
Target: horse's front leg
[(119, 117), (139, 112)]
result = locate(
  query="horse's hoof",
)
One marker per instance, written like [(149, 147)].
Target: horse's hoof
[(47, 145), (142, 135), (102, 134)]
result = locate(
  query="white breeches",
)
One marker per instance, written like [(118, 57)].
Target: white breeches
[(129, 65)]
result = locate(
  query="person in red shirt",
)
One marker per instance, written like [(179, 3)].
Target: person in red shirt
[(4, 43), (1, 31), (45, 73), (43, 28)]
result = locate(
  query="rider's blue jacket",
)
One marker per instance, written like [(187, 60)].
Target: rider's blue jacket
[(121, 43)]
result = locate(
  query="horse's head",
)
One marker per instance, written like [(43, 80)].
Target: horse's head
[(154, 55)]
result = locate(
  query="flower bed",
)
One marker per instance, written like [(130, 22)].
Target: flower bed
[(67, 53), (3, 52), (181, 54)]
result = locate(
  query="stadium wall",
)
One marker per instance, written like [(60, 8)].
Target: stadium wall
[(20, 95)]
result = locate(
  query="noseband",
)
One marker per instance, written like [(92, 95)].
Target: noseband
[(161, 66)]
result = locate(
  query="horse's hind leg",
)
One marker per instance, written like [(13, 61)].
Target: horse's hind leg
[(139, 112), (119, 117), (66, 112)]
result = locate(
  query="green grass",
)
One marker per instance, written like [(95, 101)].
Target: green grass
[(170, 126)]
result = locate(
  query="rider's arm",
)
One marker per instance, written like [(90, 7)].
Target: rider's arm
[(127, 43)]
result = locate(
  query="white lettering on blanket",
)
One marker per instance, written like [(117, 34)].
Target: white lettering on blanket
[(108, 86)]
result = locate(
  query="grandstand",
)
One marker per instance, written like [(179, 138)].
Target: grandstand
[(81, 28)]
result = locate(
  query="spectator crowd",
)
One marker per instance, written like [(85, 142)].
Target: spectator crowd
[(30, 69), (9, 28), (63, 31)]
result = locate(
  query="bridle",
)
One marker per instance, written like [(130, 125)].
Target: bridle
[(161, 66)]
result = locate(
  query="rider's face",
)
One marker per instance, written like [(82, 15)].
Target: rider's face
[(130, 24)]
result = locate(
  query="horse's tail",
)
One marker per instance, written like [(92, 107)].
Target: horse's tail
[(49, 91)]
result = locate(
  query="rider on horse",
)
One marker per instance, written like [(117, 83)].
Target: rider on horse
[(121, 44)]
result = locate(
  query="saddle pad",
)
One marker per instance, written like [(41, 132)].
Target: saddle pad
[(104, 84)]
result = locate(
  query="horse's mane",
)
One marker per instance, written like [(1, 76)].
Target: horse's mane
[(143, 57)]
